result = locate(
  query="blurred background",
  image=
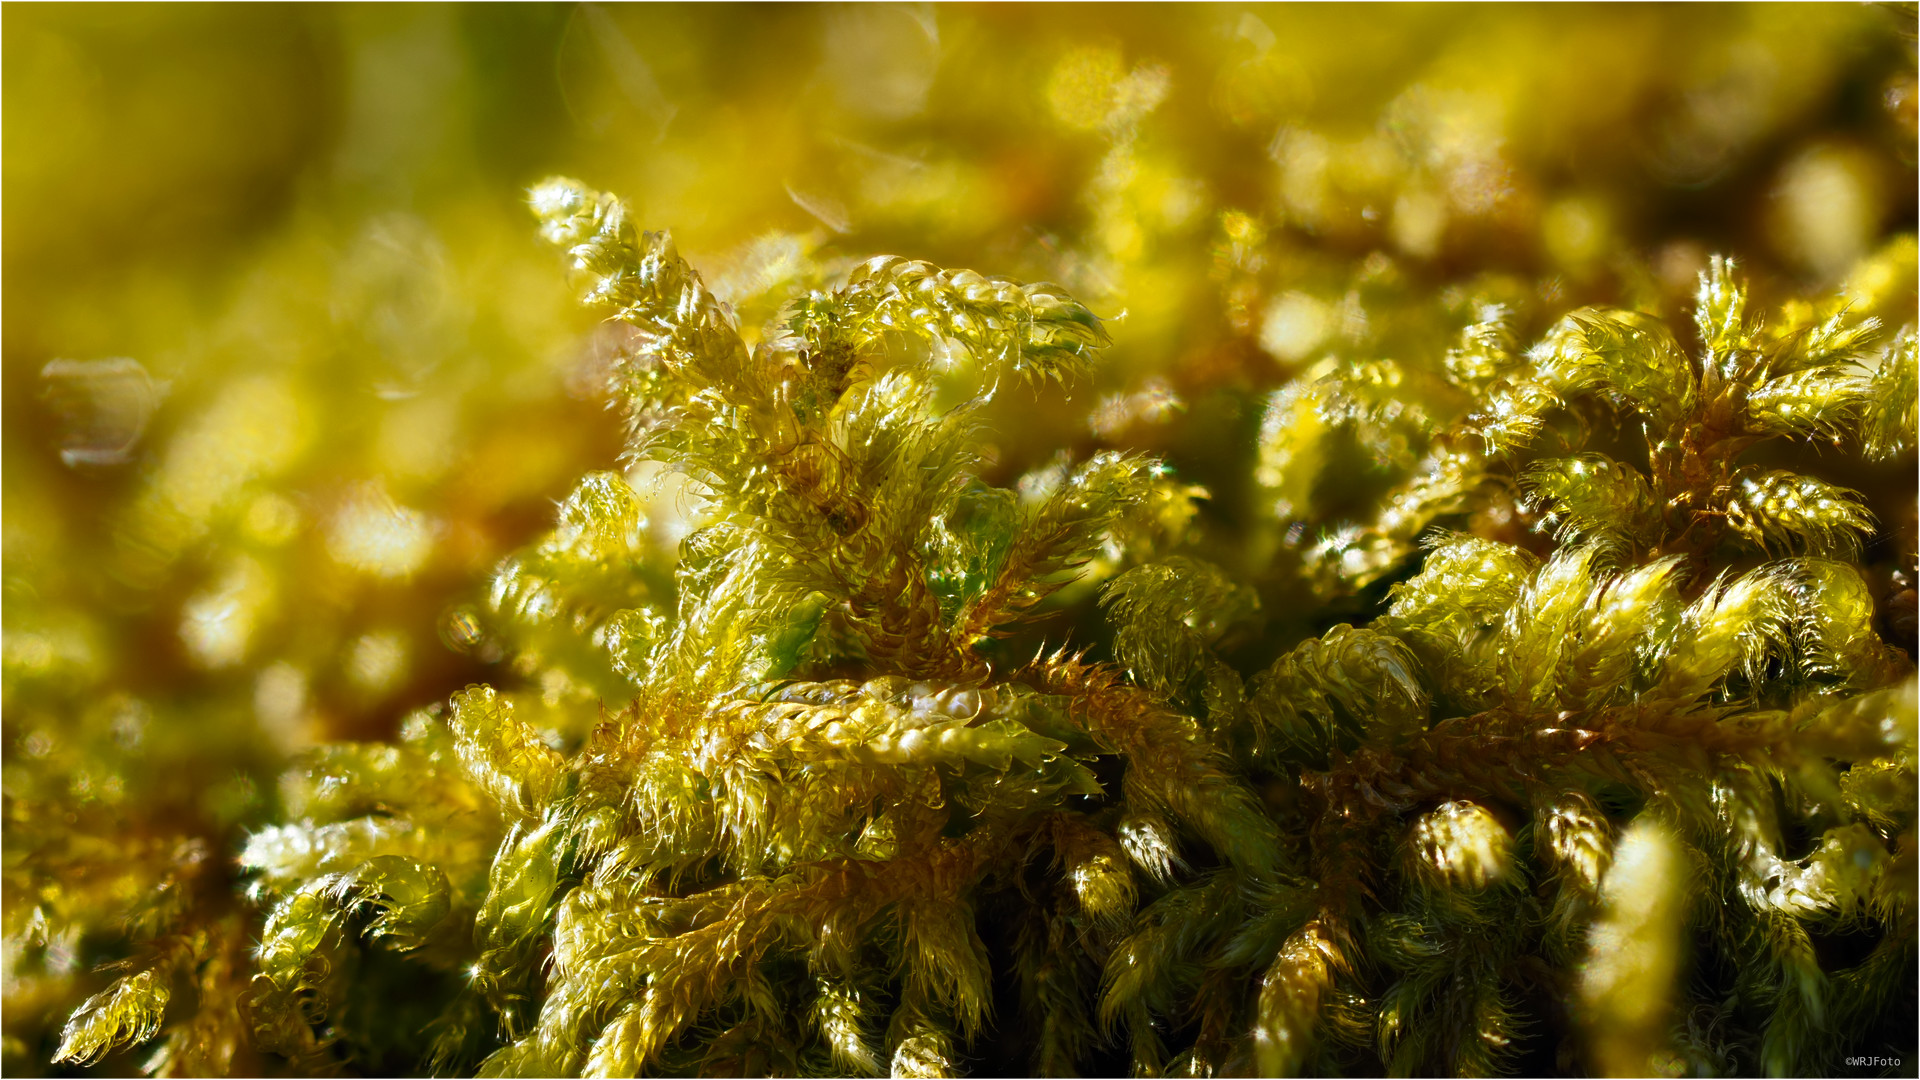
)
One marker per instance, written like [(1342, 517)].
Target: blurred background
[(286, 371)]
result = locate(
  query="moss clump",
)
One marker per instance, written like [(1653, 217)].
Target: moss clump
[(1436, 618), (1608, 795)]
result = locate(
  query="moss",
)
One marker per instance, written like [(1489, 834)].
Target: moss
[(1425, 667)]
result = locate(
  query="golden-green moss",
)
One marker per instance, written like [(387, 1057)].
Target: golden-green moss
[(1393, 636)]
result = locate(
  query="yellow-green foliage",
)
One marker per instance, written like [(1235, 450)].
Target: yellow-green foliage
[(778, 846), (1451, 641)]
